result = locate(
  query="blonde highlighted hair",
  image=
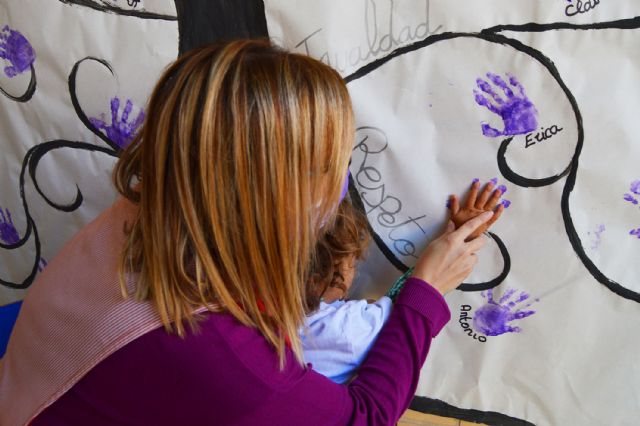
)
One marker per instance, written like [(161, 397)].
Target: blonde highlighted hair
[(242, 155)]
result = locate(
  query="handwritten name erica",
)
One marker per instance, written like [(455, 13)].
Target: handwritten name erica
[(375, 197), (580, 7), (542, 135), (378, 42), (464, 317)]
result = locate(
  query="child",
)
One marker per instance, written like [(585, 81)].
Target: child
[(339, 333)]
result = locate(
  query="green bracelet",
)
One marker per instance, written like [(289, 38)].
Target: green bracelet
[(395, 289)]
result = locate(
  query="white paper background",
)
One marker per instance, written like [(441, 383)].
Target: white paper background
[(62, 34), (575, 360)]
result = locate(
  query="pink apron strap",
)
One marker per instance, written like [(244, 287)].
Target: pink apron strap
[(72, 318)]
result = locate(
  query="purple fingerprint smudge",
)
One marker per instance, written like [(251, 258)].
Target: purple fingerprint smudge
[(16, 49), (635, 187), (630, 198), (518, 113), (8, 232), (597, 236), (10, 235), (505, 203), (493, 318), (635, 233)]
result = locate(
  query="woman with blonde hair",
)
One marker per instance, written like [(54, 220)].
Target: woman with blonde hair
[(181, 303)]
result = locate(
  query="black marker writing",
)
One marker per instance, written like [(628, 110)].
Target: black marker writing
[(580, 7), (542, 135), (464, 318)]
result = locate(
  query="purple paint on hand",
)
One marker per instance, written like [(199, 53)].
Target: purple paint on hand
[(506, 203), (493, 317), (17, 50), (518, 113), (120, 131)]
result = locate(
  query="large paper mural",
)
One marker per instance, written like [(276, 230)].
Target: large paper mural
[(541, 98)]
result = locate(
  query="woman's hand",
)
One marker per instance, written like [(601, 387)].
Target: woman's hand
[(449, 259)]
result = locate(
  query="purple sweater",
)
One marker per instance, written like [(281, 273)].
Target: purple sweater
[(227, 374)]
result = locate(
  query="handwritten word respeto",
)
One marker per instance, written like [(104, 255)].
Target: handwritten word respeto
[(377, 200)]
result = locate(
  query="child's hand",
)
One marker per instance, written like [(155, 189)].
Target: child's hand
[(476, 205)]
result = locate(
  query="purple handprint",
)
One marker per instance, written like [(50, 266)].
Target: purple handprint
[(518, 113), (492, 318), (9, 234), (119, 131), (15, 48)]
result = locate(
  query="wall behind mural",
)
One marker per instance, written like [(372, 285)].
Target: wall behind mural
[(541, 98)]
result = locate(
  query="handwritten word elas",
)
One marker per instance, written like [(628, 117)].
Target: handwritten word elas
[(464, 318), (382, 35), (579, 6), (542, 135)]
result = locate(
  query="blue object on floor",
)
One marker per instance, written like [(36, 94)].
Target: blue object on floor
[(8, 315)]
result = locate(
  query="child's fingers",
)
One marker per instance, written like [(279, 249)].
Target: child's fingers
[(473, 193), (496, 215), (454, 206), (495, 197), (484, 196)]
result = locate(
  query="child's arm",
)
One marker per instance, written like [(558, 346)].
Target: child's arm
[(339, 336)]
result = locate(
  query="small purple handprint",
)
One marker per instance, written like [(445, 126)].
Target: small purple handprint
[(493, 317), (10, 235), (119, 131), (518, 113), (16, 49)]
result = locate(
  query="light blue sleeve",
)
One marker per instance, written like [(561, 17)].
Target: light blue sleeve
[(338, 337)]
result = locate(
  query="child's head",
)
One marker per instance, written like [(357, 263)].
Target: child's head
[(337, 251)]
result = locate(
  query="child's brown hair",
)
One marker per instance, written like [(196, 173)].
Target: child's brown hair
[(346, 240)]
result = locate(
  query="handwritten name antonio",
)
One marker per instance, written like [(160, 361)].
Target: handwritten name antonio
[(374, 194), (464, 323), (377, 41)]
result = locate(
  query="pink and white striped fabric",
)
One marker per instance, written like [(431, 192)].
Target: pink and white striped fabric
[(72, 318)]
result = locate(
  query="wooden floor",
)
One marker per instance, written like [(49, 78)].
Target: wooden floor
[(414, 418)]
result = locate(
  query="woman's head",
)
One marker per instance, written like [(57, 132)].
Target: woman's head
[(243, 153)]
